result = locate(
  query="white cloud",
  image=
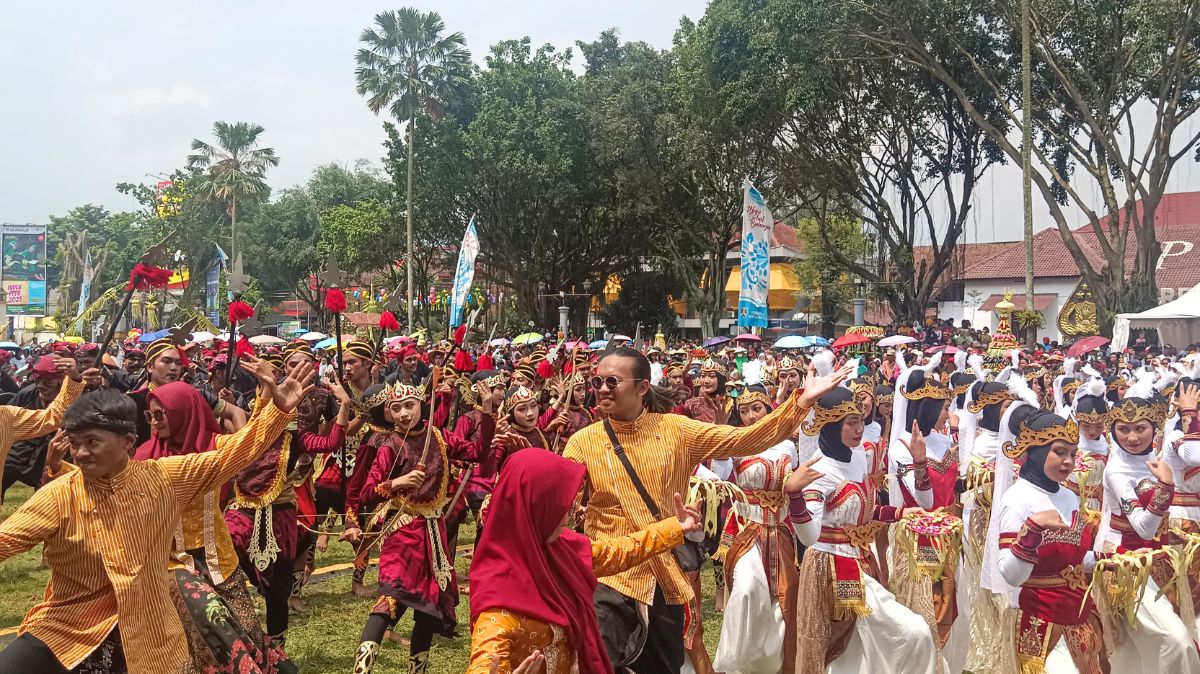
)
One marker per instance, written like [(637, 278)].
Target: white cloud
[(137, 101)]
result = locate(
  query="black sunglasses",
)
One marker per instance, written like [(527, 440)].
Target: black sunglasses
[(610, 381)]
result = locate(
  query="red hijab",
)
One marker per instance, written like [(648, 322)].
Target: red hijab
[(193, 427), (516, 570)]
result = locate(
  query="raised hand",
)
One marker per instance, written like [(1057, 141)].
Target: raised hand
[(1188, 396), (93, 377), (1049, 520), (815, 387), (916, 446), (259, 369), (1161, 471), (288, 393), (335, 387), (67, 366), (689, 515), (802, 477), (513, 441), (60, 444)]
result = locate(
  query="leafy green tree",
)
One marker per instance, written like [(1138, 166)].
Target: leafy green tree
[(643, 299), (409, 66), (820, 268), (1096, 66), (235, 168)]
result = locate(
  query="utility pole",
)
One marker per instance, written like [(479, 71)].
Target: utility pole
[(1026, 154)]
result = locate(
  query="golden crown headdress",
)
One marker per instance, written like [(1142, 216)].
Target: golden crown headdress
[(1029, 438), (401, 392), (1133, 410), (986, 399), (788, 363), (928, 391), (516, 396), (751, 397), (714, 367), (823, 416)]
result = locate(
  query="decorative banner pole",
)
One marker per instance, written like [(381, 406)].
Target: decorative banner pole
[(335, 302), (387, 320), (143, 276), (235, 283)]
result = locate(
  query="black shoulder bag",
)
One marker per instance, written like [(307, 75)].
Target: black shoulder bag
[(689, 555)]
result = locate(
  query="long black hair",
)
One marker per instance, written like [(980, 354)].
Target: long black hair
[(657, 398)]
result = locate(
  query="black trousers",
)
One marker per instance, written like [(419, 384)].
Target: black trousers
[(28, 654), (664, 641)]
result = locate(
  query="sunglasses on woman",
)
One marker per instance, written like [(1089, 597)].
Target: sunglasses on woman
[(155, 416)]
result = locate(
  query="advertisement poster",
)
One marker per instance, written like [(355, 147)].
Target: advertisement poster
[(23, 269)]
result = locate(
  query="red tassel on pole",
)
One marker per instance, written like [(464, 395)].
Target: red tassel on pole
[(545, 370), (462, 362), (485, 363), (460, 334), (144, 276), (335, 300), (240, 311), (388, 322), (244, 347)]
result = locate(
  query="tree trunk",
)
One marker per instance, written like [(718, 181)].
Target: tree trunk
[(1026, 159), (408, 207)]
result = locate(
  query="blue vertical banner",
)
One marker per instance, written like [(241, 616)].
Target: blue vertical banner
[(464, 274), (757, 223), (85, 286), (212, 286)]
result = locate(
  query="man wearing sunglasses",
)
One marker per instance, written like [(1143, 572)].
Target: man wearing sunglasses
[(662, 450)]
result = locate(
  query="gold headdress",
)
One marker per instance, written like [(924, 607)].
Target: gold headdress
[(788, 363), (515, 396), (976, 406), (830, 409), (1029, 438), (1131, 410), (402, 392), (714, 367), (750, 397), (930, 390)]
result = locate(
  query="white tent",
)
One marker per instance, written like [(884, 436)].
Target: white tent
[(1177, 322)]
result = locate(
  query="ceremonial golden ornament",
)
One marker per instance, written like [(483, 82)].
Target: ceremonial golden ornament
[(714, 367), (1129, 412), (823, 416), (1077, 318), (928, 391), (754, 397)]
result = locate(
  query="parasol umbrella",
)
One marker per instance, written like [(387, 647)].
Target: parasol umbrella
[(793, 342), (1086, 344), (715, 341), (944, 348), (528, 338), (849, 340), (499, 341), (598, 344), (896, 340), (267, 340), (314, 336), (621, 338), (818, 341), (10, 346), (747, 337), (568, 346), (325, 344), (203, 336), (151, 336)]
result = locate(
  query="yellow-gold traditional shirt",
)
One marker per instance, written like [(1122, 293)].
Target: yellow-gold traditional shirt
[(508, 638), (18, 423), (107, 543), (664, 449)]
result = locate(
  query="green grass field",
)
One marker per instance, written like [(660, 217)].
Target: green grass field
[(323, 641)]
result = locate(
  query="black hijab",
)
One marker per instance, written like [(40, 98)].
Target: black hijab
[(1034, 468), (924, 412), (830, 439), (989, 418)]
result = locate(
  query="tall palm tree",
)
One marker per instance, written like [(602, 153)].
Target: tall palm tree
[(409, 66), (236, 168)]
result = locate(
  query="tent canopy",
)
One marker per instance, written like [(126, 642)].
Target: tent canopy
[(1177, 322)]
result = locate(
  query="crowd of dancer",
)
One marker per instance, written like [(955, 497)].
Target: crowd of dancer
[(905, 514)]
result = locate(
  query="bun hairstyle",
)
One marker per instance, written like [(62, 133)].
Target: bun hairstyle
[(657, 399)]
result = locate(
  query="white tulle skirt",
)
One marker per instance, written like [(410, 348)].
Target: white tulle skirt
[(753, 629), (892, 640), (1158, 642)]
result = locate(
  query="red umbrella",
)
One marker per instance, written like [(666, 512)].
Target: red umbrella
[(1086, 344), (849, 340), (950, 350)]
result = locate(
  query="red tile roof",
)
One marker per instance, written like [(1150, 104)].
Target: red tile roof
[(1177, 223), (1040, 301)]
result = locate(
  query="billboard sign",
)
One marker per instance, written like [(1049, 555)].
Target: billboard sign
[(23, 269)]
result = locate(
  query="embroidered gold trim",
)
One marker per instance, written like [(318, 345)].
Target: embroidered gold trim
[(928, 391), (1092, 417), (267, 498)]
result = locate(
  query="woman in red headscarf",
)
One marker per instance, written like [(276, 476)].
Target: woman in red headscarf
[(532, 580), (182, 423)]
